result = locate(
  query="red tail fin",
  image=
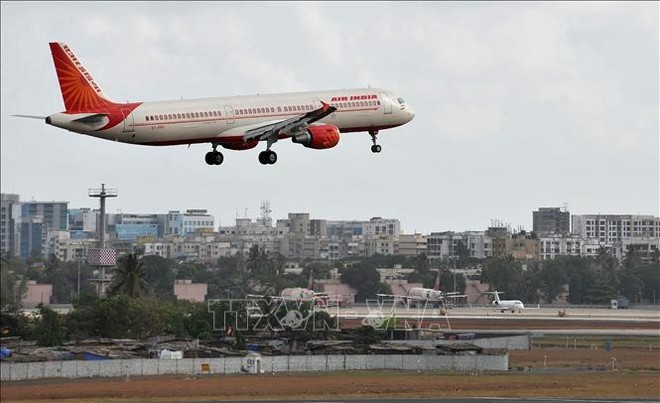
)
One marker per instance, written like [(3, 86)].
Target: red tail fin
[(79, 91), (436, 285)]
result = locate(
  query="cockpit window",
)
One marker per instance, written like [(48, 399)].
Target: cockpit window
[(401, 101)]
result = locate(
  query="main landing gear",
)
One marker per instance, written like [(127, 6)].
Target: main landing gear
[(214, 157), (267, 157), (374, 148)]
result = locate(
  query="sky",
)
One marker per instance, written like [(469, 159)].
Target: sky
[(519, 105)]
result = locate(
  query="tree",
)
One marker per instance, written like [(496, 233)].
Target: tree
[(552, 278), (159, 273), (129, 277), (365, 279), (50, 327), (505, 275)]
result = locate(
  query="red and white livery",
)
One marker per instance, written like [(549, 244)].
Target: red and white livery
[(314, 119)]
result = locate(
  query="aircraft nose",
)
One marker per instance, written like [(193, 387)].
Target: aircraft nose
[(410, 112)]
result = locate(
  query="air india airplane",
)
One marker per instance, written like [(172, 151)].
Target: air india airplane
[(425, 295), (312, 119)]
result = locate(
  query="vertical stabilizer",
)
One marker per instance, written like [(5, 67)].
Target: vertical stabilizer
[(310, 280), (436, 284), (79, 90)]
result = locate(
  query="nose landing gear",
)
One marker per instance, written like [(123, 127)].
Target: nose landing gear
[(374, 148)]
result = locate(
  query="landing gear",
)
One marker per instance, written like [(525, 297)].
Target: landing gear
[(267, 157), (374, 148), (214, 157)]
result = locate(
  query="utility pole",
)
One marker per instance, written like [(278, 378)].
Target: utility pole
[(102, 194), (102, 257)]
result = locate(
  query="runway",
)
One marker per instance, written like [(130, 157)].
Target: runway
[(482, 319)]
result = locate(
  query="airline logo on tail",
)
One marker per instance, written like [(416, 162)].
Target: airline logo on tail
[(79, 90)]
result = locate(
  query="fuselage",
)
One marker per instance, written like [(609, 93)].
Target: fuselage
[(225, 119), (425, 294), (506, 305)]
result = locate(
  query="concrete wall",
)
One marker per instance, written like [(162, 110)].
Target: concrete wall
[(231, 365)]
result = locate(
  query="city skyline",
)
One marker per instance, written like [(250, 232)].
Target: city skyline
[(519, 106), (265, 203)]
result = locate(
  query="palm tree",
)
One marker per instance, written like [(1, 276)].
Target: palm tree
[(129, 277)]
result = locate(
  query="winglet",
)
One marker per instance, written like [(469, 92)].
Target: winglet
[(325, 106)]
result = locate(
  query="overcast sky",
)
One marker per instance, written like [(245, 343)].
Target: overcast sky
[(518, 105)]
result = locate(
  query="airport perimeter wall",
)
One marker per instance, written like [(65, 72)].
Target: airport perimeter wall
[(230, 365)]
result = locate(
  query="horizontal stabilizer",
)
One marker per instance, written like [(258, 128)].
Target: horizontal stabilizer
[(91, 118), (30, 116)]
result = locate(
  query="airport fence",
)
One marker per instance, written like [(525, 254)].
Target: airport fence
[(16, 371)]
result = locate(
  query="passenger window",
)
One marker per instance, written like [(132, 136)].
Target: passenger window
[(272, 109), (219, 113)]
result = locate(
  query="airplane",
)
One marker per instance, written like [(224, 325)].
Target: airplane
[(299, 294), (420, 294), (313, 119), (505, 305)]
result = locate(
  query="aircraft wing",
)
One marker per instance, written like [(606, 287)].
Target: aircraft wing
[(392, 296), (455, 296), (288, 126)]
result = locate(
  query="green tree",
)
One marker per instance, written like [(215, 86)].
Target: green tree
[(601, 292), (50, 327), (159, 272), (129, 277), (552, 278), (505, 275), (365, 279)]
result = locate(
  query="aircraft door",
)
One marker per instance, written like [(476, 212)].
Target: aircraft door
[(229, 113), (129, 123), (387, 103)]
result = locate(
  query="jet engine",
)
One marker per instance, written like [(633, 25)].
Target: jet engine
[(240, 146), (318, 137)]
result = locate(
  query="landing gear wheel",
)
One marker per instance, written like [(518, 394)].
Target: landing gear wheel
[(267, 157), (374, 148), (214, 158)]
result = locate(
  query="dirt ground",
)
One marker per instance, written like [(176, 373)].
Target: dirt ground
[(540, 372)]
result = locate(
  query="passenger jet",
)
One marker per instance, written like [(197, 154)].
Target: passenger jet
[(425, 295), (312, 119)]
